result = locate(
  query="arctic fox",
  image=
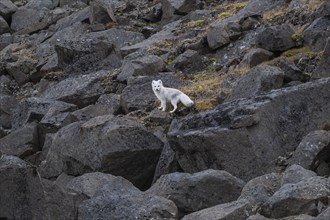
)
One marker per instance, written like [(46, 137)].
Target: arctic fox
[(173, 95)]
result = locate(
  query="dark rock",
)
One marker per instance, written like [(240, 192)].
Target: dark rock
[(299, 198), (237, 210), (166, 34), (167, 162), (259, 80), (174, 9), (295, 174), (276, 38), (14, 202), (81, 54), (142, 66), (316, 34), (193, 192), (249, 23), (322, 69), (36, 16), (291, 71), (88, 184), (189, 62), (52, 121), (154, 15), (256, 56), (107, 104), (102, 12), (26, 196), (7, 8), (234, 52), (260, 189), (74, 19), (119, 199), (158, 117), (199, 140), (7, 105), (4, 27), (138, 93), (18, 62), (34, 109), (113, 145), (25, 145), (221, 33), (81, 91), (312, 150)]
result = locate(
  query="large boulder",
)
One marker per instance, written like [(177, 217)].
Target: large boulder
[(298, 198), (24, 195), (82, 90), (25, 145), (34, 109), (276, 38), (118, 199), (313, 151), (261, 188), (107, 104), (95, 50), (316, 35), (36, 16), (259, 80), (193, 192), (223, 32), (141, 66), (256, 56), (295, 174), (7, 8), (245, 136), (113, 145), (189, 62)]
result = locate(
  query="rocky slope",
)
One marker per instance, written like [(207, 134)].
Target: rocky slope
[(81, 136)]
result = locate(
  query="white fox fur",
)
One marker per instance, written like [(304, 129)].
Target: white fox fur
[(172, 95)]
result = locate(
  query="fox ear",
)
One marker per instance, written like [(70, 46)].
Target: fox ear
[(153, 81), (160, 82)]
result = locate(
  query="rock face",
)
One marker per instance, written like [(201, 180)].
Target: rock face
[(113, 145), (316, 35), (110, 201), (259, 80), (279, 36), (313, 151), (232, 131), (292, 199), (193, 192)]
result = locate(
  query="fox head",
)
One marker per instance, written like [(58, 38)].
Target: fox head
[(157, 85)]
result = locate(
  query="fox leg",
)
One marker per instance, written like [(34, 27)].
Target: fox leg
[(163, 105), (174, 103)]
